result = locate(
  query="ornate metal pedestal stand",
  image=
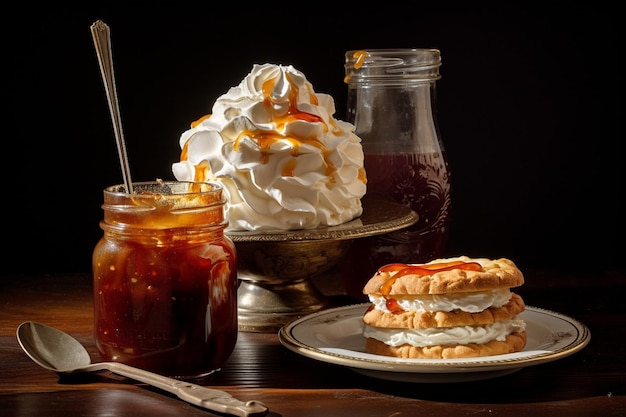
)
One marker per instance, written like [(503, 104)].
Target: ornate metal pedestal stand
[(275, 268)]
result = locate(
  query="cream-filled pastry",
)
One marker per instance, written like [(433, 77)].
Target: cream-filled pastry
[(448, 308)]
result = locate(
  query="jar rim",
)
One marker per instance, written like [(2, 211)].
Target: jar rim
[(393, 64), (178, 188), (395, 51), (165, 196)]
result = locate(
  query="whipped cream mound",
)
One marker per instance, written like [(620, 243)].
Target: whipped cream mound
[(285, 162), (471, 302), (446, 336)]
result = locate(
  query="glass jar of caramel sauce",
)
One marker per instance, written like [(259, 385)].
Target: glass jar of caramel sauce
[(165, 279)]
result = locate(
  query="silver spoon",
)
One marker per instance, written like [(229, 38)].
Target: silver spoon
[(57, 351)]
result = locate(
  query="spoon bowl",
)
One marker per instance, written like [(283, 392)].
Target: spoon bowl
[(59, 352), (42, 344)]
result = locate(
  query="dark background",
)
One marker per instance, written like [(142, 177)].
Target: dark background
[(530, 108)]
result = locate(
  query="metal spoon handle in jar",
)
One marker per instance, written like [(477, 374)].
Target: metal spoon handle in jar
[(211, 399), (102, 41)]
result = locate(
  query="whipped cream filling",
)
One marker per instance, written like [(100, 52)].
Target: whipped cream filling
[(446, 336), (285, 162), (471, 302)]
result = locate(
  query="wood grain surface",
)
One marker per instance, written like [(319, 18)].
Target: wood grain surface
[(591, 382)]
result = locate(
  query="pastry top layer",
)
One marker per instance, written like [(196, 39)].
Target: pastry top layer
[(441, 276)]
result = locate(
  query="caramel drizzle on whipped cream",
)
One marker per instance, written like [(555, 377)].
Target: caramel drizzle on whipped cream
[(397, 270), (265, 138)]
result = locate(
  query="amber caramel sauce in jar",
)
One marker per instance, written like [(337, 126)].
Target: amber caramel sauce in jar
[(165, 279)]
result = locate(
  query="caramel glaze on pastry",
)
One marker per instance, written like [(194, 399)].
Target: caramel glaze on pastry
[(445, 276)]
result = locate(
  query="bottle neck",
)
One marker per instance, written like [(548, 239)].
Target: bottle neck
[(391, 99), (394, 118)]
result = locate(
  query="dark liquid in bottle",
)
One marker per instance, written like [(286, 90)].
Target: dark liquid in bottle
[(419, 181)]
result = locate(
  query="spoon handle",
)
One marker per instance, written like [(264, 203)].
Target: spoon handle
[(208, 398), (102, 41)]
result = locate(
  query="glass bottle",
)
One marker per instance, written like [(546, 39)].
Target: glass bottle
[(392, 102), (165, 279)]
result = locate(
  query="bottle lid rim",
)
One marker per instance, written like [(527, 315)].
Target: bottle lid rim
[(392, 64)]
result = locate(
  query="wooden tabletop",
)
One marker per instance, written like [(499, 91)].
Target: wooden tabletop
[(591, 382)]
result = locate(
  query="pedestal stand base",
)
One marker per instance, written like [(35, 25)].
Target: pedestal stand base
[(267, 307)]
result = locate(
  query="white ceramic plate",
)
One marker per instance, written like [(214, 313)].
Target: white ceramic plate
[(335, 336)]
